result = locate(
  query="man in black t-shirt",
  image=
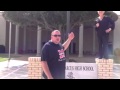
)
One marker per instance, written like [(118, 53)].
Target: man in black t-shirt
[(53, 59)]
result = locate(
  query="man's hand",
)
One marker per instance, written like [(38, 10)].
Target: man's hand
[(71, 36), (68, 41), (108, 30), (97, 25)]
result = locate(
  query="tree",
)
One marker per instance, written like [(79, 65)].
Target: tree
[(51, 19), (16, 17)]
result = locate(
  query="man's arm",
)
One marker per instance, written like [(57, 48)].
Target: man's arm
[(44, 58), (66, 44), (112, 24), (68, 41), (46, 69)]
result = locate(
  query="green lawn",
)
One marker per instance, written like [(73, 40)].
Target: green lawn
[(3, 59)]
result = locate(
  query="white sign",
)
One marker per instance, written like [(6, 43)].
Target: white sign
[(81, 70)]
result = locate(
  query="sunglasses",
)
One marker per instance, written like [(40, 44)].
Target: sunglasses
[(56, 35)]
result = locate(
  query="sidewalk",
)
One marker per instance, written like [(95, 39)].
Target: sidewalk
[(18, 70)]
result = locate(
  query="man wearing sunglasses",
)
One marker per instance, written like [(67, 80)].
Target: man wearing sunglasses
[(53, 57)]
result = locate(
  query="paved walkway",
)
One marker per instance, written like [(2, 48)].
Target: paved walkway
[(116, 70), (18, 70)]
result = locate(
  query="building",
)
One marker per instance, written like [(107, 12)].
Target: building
[(24, 40)]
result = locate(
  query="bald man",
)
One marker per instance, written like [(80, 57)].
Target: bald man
[(53, 57)]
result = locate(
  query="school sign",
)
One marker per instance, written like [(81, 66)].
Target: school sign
[(81, 71)]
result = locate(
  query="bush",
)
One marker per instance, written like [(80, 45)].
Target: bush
[(117, 52), (117, 55)]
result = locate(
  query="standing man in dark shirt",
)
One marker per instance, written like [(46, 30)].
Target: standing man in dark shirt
[(104, 25), (53, 57)]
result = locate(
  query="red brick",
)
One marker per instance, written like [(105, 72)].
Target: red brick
[(35, 63), (101, 72), (99, 65), (37, 71), (96, 60), (38, 66), (111, 66), (104, 61), (106, 75), (111, 61), (111, 75), (110, 70), (30, 75), (102, 68), (34, 77), (101, 61), (102, 77), (31, 70), (35, 68), (103, 64), (105, 70), (37, 75)]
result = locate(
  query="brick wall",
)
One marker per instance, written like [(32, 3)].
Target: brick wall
[(105, 68), (34, 68)]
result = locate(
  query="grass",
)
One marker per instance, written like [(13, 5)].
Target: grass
[(3, 59)]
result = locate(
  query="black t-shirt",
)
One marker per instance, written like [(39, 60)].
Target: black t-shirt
[(104, 24), (55, 57)]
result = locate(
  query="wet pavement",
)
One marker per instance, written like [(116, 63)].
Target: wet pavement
[(18, 70)]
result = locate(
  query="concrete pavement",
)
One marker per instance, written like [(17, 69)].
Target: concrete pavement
[(18, 70)]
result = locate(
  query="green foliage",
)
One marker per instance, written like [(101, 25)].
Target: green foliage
[(51, 19), (17, 17), (117, 55), (117, 52)]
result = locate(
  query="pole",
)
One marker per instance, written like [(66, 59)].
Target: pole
[(39, 41), (10, 27), (16, 39), (68, 29)]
